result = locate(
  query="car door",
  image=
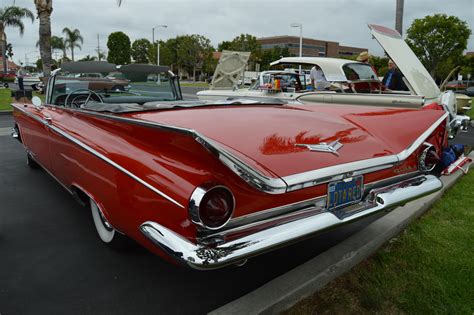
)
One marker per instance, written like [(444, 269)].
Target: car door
[(63, 151), (33, 123)]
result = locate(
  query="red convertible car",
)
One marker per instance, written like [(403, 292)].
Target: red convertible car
[(212, 184)]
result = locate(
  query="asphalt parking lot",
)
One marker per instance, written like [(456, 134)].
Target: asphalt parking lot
[(51, 260)]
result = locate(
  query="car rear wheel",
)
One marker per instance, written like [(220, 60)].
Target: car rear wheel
[(106, 232), (118, 88)]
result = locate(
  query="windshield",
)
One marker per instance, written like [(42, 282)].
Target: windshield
[(131, 86), (359, 71), (287, 81)]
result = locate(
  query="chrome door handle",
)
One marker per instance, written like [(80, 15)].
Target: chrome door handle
[(49, 120)]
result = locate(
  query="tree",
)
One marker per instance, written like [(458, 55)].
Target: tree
[(101, 55), (56, 43), (44, 8), (269, 55), (380, 64), (467, 66), (59, 43), (39, 64), (118, 44), (11, 16), (168, 52), (73, 37), (225, 45), (10, 51), (140, 50), (193, 52), (438, 38), (244, 42), (88, 58)]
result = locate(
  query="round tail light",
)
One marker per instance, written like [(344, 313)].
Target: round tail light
[(428, 159), (211, 207)]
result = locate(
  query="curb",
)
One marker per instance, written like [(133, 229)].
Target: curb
[(5, 112), (286, 290)]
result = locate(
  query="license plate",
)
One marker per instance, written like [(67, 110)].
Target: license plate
[(345, 192)]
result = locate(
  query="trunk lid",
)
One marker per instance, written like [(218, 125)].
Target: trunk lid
[(406, 60), (266, 137), (229, 70)]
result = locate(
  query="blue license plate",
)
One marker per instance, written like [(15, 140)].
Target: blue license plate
[(345, 192)]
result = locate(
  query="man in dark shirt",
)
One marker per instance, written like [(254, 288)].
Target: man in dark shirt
[(393, 78)]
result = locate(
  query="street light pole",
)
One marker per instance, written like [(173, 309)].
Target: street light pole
[(157, 47), (300, 25), (399, 16)]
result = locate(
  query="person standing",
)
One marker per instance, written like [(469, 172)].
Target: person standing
[(393, 79), (364, 57), (318, 79)]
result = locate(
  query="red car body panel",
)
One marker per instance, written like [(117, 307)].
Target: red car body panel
[(366, 132), (174, 163)]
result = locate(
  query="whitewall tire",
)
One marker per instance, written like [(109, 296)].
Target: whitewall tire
[(105, 231)]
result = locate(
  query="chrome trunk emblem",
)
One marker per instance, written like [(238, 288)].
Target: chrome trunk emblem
[(331, 147)]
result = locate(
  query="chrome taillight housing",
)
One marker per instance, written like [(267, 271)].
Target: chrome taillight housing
[(428, 158), (211, 206)]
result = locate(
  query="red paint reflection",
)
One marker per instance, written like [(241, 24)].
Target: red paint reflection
[(276, 144)]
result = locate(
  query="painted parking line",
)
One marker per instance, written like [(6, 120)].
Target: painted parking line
[(5, 131)]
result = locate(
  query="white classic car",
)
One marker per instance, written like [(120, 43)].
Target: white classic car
[(352, 82)]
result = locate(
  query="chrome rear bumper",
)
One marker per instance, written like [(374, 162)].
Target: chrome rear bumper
[(463, 122), (201, 256)]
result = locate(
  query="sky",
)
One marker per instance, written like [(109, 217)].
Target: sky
[(344, 21)]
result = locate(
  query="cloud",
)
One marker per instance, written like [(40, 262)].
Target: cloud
[(344, 21)]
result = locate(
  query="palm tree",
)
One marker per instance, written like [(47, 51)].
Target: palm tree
[(57, 43), (89, 58), (44, 8), (11, 16), (10, 51), (73, 37)]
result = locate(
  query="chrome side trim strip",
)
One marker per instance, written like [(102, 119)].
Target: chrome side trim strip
[(244, 171), (273, 213), (205, 256), (100, 156), (322, 175), (411, 148), (247, 173)]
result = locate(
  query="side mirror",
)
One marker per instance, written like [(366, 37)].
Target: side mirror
[(37, 102)]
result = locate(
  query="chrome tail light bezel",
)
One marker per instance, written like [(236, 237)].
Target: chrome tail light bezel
[(422, 165), (195, 202)]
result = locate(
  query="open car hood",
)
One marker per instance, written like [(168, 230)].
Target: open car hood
[(229, 69), (408, 63)]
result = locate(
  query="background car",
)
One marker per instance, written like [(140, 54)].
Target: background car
[(468, 91), (458, 84)]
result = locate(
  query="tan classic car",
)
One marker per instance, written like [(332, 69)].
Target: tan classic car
[(346, 78)]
